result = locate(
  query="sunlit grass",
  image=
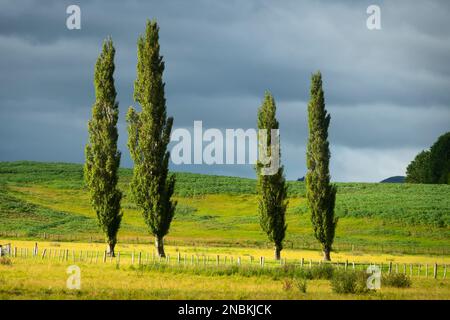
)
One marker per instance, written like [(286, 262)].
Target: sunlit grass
[(44, 279)]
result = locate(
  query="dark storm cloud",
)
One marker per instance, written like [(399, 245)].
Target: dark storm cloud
[(387, 90)]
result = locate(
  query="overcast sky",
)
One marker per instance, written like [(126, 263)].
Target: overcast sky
[(388, 90)]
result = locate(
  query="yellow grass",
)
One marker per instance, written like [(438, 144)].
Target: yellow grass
[(38, 279)]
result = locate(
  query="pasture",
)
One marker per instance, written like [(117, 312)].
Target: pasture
[(215, 244), (195, 273)]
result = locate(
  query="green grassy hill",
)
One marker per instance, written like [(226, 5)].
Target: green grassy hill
[(50, 198)]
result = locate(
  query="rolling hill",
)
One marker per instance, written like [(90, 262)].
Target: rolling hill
[(49, 199)]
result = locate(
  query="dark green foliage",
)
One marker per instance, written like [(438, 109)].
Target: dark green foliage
[(440, 160), (148, 136), (349, 282), (271, 189), (102, 157), (321, 195), (418, 171), (431, 166), (397, 280)]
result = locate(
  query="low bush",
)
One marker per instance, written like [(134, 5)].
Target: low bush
[(397, 280), (288, 284), (301, 284), (349, 282)]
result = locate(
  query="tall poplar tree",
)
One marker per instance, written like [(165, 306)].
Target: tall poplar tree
[(271, 189), (102, 157), (321, 195), (148, 136)]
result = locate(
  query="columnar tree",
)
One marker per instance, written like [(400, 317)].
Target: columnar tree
[(320, 194), (271, 188), (102, 157), (148, 136)]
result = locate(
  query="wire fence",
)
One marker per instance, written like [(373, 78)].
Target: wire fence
[(150, 258), (339, 246)]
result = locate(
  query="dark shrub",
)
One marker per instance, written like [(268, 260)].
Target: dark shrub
[(397, 280), (349, 282)]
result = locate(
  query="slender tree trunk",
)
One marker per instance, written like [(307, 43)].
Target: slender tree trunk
[(159, 244), (110, 248), (277, 253), (326, 254)]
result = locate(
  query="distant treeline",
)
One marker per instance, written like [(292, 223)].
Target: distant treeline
[(432, 165)]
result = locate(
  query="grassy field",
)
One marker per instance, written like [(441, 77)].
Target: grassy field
[(400, 224), (37, 278), (38, 198)]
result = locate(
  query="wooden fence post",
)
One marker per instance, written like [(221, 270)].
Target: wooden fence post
[(139, 258), (178, 257), (118, 259), (302, 261), (43, 253), (418, 269), (104, 256), (310, 263), (426, 270), (36, 250), (445, 271), (261, 261), (390, 267), (435, 270), (218, 259), (404, 268), (410, 269), (132, 258), (346, 265), (239, 261)]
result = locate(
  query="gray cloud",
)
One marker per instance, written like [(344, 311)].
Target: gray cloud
[(387, 90)]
